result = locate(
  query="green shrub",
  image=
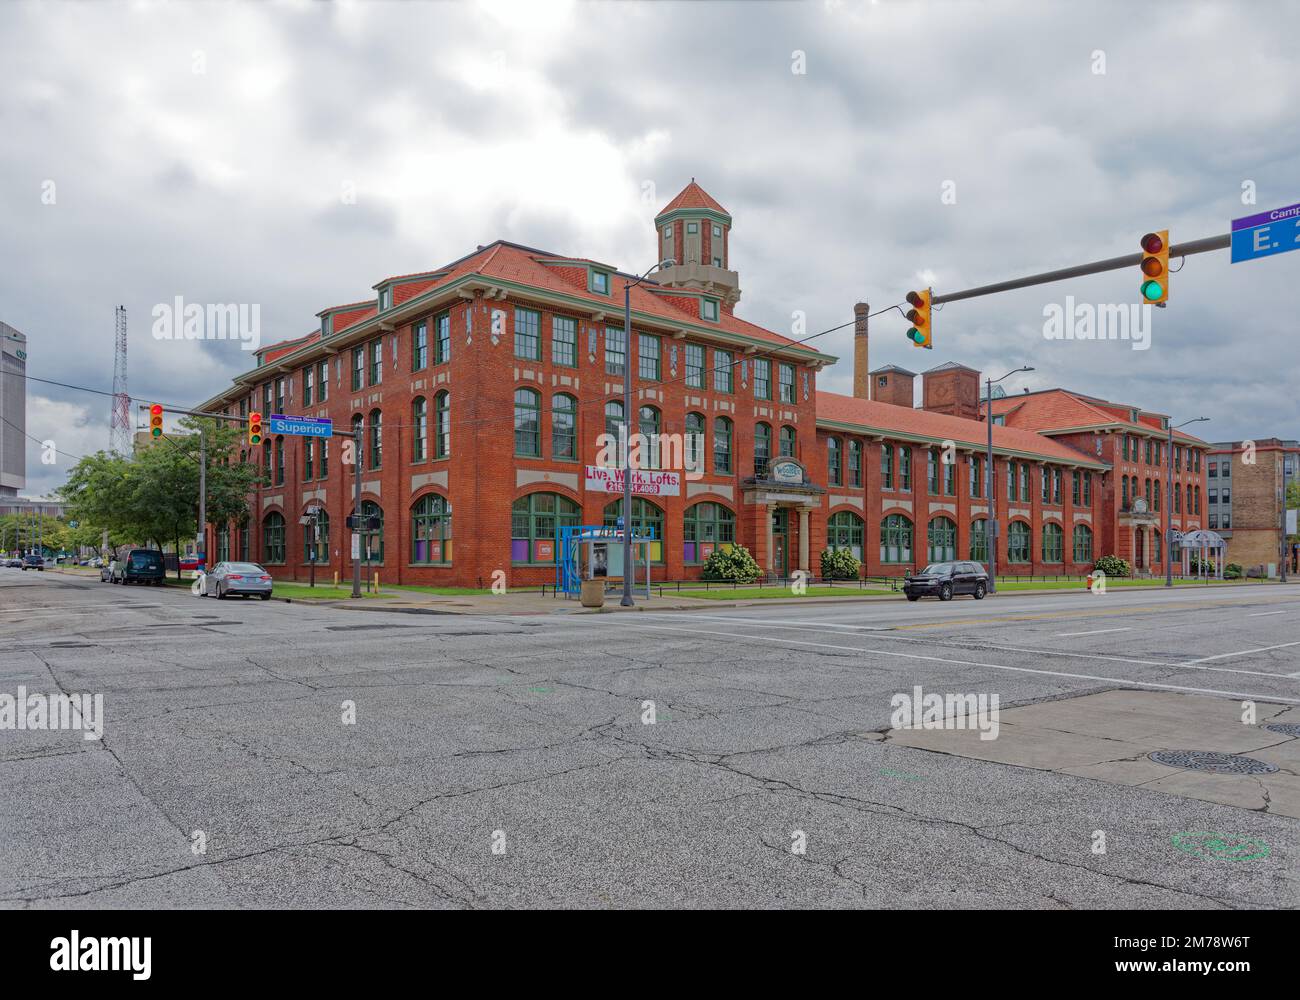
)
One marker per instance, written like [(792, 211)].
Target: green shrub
[(840, 564), (734, 565), (1113, 566)]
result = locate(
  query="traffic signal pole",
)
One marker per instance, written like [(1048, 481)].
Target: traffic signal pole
[(356, 510)]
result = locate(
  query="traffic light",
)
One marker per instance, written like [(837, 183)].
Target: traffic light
[(254, 428), (155, 420), (919, 317), (1155, 267)]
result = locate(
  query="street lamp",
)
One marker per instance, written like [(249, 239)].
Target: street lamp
[(990, 525), (1169, 501), (628, 569)]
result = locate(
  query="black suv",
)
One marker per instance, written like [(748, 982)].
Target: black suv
[(141, 566), (33, 561), (944, 580)]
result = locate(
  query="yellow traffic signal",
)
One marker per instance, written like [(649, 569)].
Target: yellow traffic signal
[(1155, 267), (254, 428), (155, 420), (919, 317)]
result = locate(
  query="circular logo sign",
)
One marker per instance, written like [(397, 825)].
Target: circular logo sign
[(1221, 846)]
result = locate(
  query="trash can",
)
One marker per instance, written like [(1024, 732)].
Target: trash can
[(593, 593)]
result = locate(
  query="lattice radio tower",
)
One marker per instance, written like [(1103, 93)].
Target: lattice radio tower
[(120, 432)]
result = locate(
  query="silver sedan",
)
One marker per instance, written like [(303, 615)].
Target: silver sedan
[(229, 578)]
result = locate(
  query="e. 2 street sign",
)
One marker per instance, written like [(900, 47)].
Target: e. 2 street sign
[(1266, 234), (318, 427)]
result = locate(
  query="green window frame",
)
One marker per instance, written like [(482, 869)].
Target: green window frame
[(273, 539), (649, 353), (528, 334), (322, 552), (650, 425), (564, 341), (932, 470), (1083, 543), (886, 466), (419, 428), (834, 462), (723, 369), (785, 376), (614, 421), (419, 345), (846, 530), (787, 441), (377, 361), (358, 368), (905, 468), (855, 462), (722, 446), (695, 366), (974, 464), (1087, 489), (1024, 482), (536, 518), (1075, 483), (324, 464), (762, 449), (979, 542), (941, 540), (431, 531), (372, 542), (706, 523), (564, 427), (895, 539), (1018, 542), (442, 424), (709, 310), (645, 517), (615, 351), (307, 459), (376, 449), (762, 378), (279, 462), (442, 338), (693, 445), (1053, 543), (308, 381), (323, 383), (598, 281), (528, 423)]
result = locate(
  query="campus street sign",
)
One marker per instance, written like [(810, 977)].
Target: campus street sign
[(1265, 234), (319, 427)]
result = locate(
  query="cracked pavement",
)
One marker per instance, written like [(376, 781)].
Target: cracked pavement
[(224, 729)]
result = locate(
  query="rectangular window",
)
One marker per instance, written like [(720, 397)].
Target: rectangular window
[(762, 378), (855, 463), (1046, 483), (442, 338), (600, 282), (932, 470), (306, 458), (886, 466), (1087, 489), (564, 341), (528, 337), (722, 367), (308, 381), (786, 373), (694, 366), (1074, 487), (709, 309), (324, 457), (905, 468), (1024, 482), (615, 351), (279, 395), (648, 353), (950, 478), (419, 345), (322, 386), (1011, 480), (974, 475), (376, 361), (1056, 485)]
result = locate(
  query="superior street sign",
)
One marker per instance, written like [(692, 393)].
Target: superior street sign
[(319, 427), (1265, 234)]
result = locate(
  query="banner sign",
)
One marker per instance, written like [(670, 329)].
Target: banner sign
[(644, 482)]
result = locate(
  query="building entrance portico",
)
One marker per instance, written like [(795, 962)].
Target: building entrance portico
[(783, 541)]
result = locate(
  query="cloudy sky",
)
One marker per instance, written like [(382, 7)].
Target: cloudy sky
[(205, 150)]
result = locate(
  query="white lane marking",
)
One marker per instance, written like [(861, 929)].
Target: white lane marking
[(1240, 652), (1261, 614), (1096, 631), (972, 663), (894, 637)]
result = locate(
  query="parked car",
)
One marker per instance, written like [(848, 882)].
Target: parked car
[(14, 562), (33, 562), (140, 566), (106, 571), (946, 580), (229, 578)]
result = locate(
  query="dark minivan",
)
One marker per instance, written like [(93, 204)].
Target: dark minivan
[(944, 580), (141, 566)]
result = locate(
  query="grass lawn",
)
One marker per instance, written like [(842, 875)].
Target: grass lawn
[(754, 593), (1007, 583)]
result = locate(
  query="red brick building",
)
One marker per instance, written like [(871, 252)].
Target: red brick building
[(483, 389)]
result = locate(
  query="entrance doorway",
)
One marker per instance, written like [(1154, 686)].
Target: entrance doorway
[(780, 535)]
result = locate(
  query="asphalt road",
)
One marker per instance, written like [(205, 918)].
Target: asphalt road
[(508, 761)]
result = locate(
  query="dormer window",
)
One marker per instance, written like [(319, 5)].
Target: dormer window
[(668, 234), (385, 297), (709, 310), (326, 327), (599, 282)]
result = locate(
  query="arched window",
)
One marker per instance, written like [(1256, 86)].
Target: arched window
[(372, 540), (649, 425), (1082, 543), (855, 462), (788, 441), (1018, 542), (762, 449), (706, 526), (646, 519), (273, 538), (896, 539), (834, 461), (979, 541), (694, 444), (322, 546), (431, 530), (722, 446), (528, 423), (1053, 541), (564, 426), (376, 439), (419, 428), (845, 530), (942, 537), (535, 521), (442, 424), (614, 431)]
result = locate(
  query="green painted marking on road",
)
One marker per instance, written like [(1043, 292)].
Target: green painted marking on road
[(891, 773), (1221, 846)]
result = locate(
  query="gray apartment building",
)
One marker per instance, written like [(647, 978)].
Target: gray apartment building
[(13, 411)]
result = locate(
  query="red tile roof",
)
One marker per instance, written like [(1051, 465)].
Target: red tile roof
[(693, 196), (876, 417), (1059, 410)]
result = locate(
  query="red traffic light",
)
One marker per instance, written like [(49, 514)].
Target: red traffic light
[(155, 410), (915, 299), (1152, 243), (156, 420)]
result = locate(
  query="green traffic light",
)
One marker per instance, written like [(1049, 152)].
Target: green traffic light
[(157, 432), (1152, 290), (914, 335)]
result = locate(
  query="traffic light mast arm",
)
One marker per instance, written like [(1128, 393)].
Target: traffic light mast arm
[(1205, 245)]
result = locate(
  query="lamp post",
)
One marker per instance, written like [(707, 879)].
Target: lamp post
[(1169, 500), (990, 525), (629, 570)]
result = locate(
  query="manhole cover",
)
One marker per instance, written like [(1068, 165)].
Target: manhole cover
[(1212, 761), (1285, 728)]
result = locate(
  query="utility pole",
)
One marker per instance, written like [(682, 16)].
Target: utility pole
[(991, 524), (203, 499), (356, 507), (1169, 501)]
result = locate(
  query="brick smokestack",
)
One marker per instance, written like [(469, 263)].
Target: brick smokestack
[(861, 367)]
